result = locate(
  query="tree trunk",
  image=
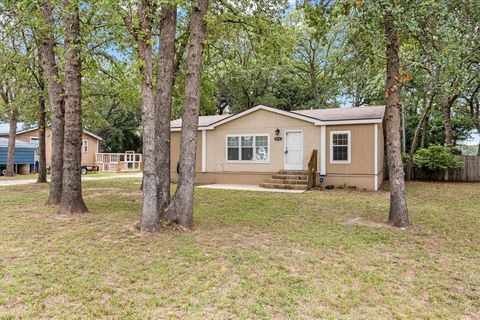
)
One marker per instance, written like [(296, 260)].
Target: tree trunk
[(398, 215), (416, 135), (314, 82), (165, 80), (447, 113), (72, 201), (478, 132), (181, 207), (424, 133), (12, 136), (42, 159), (150, 217), (46, 42)]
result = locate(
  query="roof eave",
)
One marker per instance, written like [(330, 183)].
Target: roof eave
[(84, 131)]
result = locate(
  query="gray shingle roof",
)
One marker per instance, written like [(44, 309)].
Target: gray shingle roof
[(5, 127), (18, 144), (337, 114), (23, 127), (334, 114), (203, 121)]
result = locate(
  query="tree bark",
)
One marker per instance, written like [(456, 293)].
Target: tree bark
[(424, 133), (150, 217), (42, 158), (181, 207), (165, 80), (416, 135), (72, 200), (314, 81), (398, 215), (12, 136), (46, 42), (447, 113)]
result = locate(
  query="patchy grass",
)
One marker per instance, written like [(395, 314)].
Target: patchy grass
[(89, 175), (251, 255), (21, 177)]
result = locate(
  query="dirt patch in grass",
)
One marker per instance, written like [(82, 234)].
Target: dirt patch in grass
[(112, 192), (370, 222)]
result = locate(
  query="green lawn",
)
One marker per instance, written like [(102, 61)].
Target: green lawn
[(89, 175), (20, 177), (251, 255)]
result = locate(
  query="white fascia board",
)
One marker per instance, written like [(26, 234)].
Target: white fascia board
[(344, 122)]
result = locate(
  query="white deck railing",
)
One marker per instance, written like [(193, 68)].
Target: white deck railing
[(119, 162)]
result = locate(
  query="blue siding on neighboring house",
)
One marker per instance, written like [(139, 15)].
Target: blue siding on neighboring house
[(22, 156), (24, 152)]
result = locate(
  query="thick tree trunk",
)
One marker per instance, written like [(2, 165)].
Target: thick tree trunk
[(72, 201), (150, 217), (181, 207), (42, 158), (165, 79), (12, 136), (46, 42), (398, 215), (416, 135)]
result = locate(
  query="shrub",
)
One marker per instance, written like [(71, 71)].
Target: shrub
[(436, 158)]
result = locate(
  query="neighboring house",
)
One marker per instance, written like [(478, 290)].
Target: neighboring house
[(90, 142), (24, 159), (265, 144)]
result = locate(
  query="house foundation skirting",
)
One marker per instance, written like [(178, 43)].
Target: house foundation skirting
[(360, 181), (370, 182), (232, 177)]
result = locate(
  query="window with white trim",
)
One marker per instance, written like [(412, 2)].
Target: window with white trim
[(248, 148), (35, 141), (85, 146), (340, 147)]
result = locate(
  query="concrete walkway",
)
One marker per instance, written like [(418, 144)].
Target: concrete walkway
[(243, 187), (5, 183)]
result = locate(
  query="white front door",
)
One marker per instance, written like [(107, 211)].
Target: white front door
[(293, 150)]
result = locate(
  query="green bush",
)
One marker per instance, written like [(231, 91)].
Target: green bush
[(437, 158)]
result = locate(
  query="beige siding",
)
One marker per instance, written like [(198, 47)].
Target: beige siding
[(362, 150), (259, 122), (360, 172), (175, 151), (381, 154), (88, 158)]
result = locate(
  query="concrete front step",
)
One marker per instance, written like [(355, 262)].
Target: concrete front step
[(283, 186), (287, 181), (290, 177)]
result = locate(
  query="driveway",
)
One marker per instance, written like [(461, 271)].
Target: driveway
[(5, 183)]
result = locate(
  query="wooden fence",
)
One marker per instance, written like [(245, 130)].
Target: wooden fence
[(470, 172)]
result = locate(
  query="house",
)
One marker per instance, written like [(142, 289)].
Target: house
[(272, 147), (90, 142), (24, 159)]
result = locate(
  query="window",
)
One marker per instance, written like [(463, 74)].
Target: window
[(340, 147), (85, 146), (35, 141), (248, 148)]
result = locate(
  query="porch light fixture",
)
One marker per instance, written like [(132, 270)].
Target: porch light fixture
[(277, 132)]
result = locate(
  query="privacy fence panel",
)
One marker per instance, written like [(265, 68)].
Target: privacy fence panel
[(470, 172)]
